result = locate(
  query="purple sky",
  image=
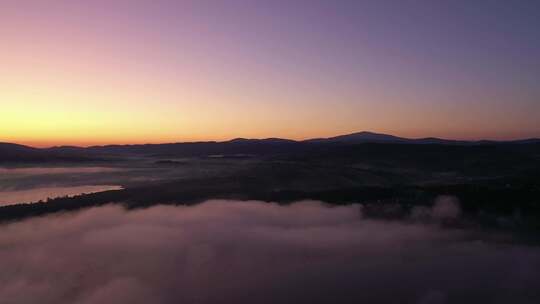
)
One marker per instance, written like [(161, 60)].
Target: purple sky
[(86, 72)]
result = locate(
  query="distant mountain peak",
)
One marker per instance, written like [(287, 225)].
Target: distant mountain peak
[(365, 133), (239, 139), (362, 136), (263, 140), (11, 146)]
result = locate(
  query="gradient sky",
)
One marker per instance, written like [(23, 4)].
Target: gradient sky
[(98, 72)]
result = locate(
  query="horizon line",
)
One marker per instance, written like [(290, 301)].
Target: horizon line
[(269, 138)]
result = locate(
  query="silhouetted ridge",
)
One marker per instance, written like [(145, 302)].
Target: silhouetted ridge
[(246, 146), (19, 153), (264, 140), (363, 136)]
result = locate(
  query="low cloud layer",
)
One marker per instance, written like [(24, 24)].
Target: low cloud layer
[(54, 170), (31, 178), (255, 252)]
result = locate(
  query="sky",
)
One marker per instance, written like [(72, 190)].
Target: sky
[(102, 72)]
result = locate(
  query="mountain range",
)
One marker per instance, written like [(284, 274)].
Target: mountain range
[(15, 152)]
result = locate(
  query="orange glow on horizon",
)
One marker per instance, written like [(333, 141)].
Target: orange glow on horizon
[(87, 142), (80, 73)]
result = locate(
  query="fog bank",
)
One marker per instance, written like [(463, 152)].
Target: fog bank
[(256, 252)]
